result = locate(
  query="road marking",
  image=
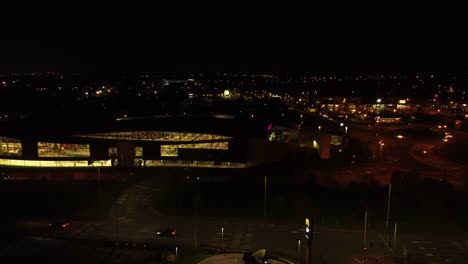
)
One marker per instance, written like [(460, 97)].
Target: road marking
[(224, 234), (431, 248), (429, 255), (147, 188), (217, 245), (223, 239), (357, 260), (421, 242), (457, 245)]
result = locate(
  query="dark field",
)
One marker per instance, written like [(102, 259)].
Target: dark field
[(417, 204)]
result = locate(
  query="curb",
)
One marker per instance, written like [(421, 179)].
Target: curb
[(232, 251)]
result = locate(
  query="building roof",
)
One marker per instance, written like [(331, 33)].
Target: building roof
[(50, 129)]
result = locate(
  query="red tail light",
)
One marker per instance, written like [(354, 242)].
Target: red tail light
[(65, 225), (173, 232)]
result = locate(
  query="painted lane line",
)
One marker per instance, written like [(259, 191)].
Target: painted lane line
[(357, 260)]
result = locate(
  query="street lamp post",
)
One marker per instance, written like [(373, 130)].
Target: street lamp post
[(365, 228), (264, 198), (117, 222), (99, 187), (222, 238), (309, 234), (381, 146), (299, 251), (388, 204)]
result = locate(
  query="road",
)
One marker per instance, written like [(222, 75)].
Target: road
[(132, 220), (406, 155)]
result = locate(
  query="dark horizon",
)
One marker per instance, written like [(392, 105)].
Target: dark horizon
[(181, 38)]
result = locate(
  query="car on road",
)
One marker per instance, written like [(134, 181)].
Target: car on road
[(60, 224), (401, 136), (4, 176), (168, 232)]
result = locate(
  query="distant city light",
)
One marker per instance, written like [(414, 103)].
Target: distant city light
[(379, 100)]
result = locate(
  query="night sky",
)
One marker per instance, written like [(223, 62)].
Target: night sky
[(284, 38)]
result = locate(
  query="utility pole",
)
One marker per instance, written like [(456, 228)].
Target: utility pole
[(264, 198), (222, 238), (380, 152), (388, 204), (365, 228), (195, 205), (298, 251), (309, 251), (117, 221), (309, 233), (99, 187)]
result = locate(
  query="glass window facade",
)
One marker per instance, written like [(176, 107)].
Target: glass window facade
[(172, 150), (213, 145), (47, 149), (169, 151), (108, 163), (112, 152), (139, 152), (156, 136), (10, 147), (54, 163)]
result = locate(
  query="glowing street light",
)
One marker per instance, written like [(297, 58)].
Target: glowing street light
[(381, 146), (299, 250)]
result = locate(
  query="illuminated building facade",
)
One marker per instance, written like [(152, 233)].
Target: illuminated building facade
[(180, 144)]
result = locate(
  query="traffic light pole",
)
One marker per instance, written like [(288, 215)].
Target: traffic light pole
[(309, 233), (309, 251)]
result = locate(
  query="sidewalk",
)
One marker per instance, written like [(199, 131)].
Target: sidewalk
[(230, 258)]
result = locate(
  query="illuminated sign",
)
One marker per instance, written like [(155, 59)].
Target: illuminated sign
[(307, 223), (402, 102), (227, 93)]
